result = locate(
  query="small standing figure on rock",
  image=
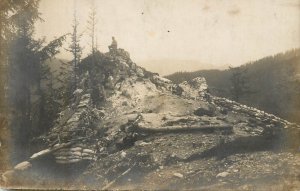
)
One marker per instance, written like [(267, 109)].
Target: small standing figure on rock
[(114, 45)]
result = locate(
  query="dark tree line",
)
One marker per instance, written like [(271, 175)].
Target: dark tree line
[(23, 57), (239, 83)]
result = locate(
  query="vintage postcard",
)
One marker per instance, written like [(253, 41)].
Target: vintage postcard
[(150, 94)]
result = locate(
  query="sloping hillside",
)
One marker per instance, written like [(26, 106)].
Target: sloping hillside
[(274, 82)]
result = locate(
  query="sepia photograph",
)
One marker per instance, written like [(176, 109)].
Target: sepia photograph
[(150, 95)]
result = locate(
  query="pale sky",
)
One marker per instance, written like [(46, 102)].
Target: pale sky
[(213, 32)]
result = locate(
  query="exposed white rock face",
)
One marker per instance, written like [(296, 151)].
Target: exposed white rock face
[(162, 82), (131, 92), (195, 89), (162, 79)]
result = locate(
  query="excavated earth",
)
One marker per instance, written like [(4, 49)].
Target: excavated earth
[(153, 134)]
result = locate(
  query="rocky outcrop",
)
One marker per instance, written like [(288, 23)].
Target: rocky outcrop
[(148, 127), (162, 107), (195, 89)]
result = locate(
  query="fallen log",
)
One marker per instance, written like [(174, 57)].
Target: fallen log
[(136, 126), (182, 129)]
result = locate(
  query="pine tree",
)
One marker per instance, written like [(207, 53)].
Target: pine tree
[(8, 12), (75, 49), (23, 68), (95, 95), (26, 71), (64, 81)]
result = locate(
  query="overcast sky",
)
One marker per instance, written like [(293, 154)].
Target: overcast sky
[(218, 32)]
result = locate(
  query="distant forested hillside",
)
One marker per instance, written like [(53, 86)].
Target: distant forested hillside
[(273, 83)]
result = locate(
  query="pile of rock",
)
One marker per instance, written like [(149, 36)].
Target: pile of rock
[(117, 67), (258, 115), (163, 83), (258, 122), (195, 89)]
